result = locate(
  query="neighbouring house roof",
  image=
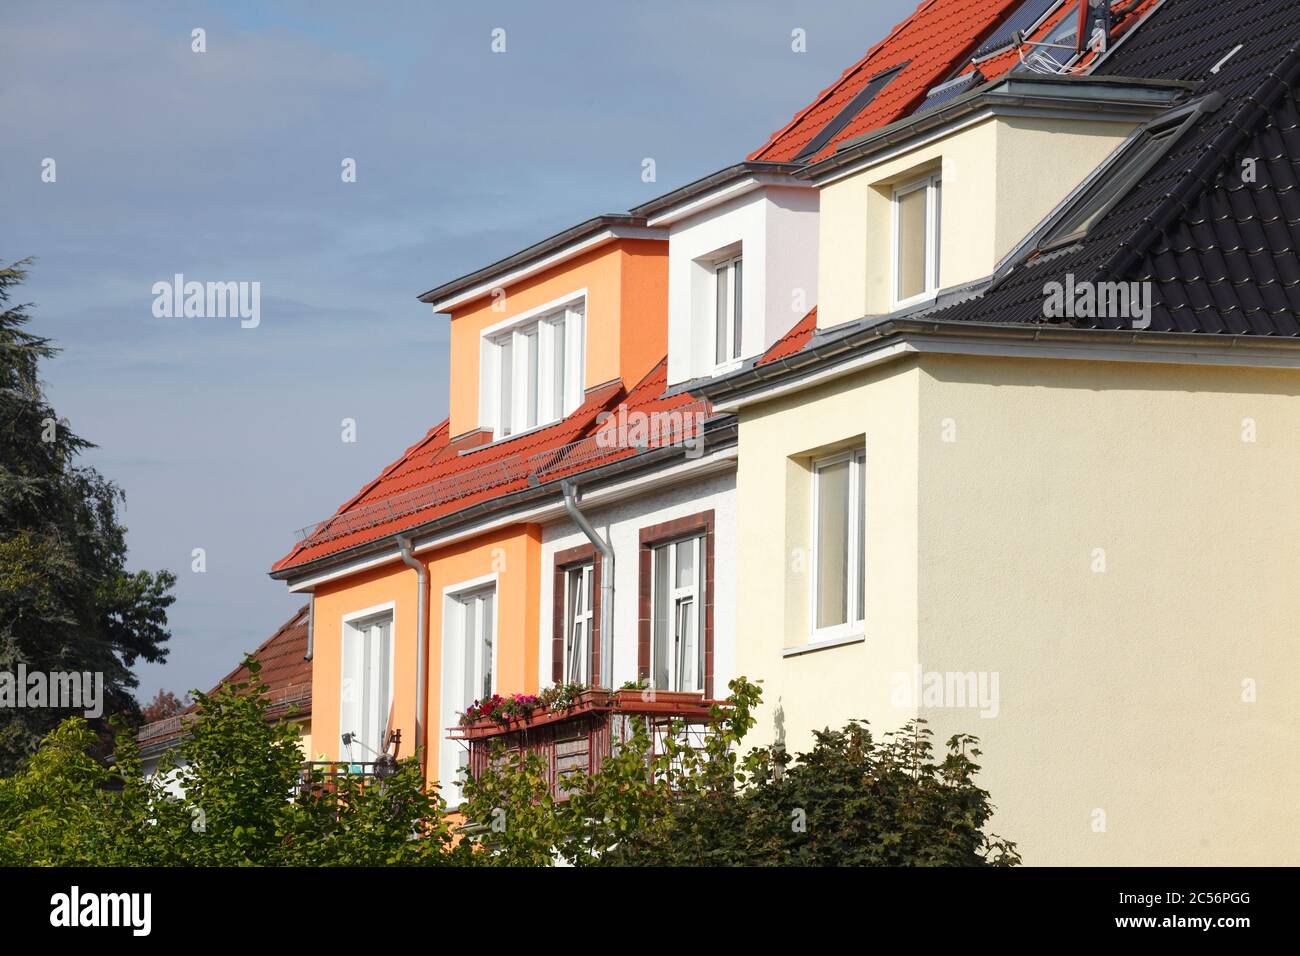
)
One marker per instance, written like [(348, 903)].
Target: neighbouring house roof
[(438, 479), (285, 671), (925, 49)]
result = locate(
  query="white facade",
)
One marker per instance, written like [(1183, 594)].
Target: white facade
[(773, 228), (620, 524)]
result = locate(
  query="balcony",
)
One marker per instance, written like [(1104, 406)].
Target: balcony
[(577, 739)]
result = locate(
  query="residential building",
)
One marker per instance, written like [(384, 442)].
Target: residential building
[(1020, 473)]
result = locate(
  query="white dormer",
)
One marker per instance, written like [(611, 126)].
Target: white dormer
[(742, 265)]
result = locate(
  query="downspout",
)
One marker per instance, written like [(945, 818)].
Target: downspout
[(311, 626), (606, 583), (422, 637)]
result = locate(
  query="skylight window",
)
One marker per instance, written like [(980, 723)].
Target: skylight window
[(1142, 152), (850, 112)]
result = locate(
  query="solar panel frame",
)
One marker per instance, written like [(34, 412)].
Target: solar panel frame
[(1026, 17)]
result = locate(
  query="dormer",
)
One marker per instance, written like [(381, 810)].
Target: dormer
[(742, 264), (936, 201), (532, 333)]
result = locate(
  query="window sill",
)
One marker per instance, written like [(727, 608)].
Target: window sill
[(924, 298), (857, 637), (511, 437)]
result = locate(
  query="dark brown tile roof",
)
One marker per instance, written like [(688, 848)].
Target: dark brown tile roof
[(285, 671), (1223, 254)]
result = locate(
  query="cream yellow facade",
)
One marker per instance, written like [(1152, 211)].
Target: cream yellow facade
[(996, 188), (1112, 542)]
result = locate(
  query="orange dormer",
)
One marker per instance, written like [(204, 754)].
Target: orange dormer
[(531, 334)]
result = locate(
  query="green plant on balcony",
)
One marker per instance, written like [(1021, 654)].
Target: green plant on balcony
[(503, 709)]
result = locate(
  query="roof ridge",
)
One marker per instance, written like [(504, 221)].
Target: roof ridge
[(1214, 156)]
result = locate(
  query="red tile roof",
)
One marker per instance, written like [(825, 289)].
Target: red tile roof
[(285, 671), (792, 341), (933, 42), (433, 479), (1126, 18)]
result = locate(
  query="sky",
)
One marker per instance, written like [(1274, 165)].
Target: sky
[(226, 166)]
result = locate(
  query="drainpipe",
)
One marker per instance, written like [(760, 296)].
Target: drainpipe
[(422, 637), (606, 583), (311, 626)]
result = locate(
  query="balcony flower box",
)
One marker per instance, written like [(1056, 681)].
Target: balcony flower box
[(578, 738)]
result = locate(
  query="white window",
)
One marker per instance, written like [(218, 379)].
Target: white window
[(677, 635), (532, 372), (469, 638), (477, 639), (728, 310), (916, 240), (578, 618), (366, 694), (839, 545)]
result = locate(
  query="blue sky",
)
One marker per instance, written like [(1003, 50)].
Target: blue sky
[(225, 166)]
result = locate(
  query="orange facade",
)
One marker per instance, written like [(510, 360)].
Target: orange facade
[(510, 556), (626, 283)]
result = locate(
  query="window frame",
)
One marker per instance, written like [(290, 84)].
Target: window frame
[(355, 625), (578, 670), (694, 592), (560, 330), (734, 323), (566, 561), (701, 526), (855, 563), (932, 184), (451, 755)]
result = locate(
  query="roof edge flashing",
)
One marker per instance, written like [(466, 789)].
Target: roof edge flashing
[(549, 251), (1101, 98)]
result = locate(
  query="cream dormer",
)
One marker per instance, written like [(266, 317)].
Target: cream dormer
[(935, 202)]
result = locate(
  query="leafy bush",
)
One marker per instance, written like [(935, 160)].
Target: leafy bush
[(849, 801)]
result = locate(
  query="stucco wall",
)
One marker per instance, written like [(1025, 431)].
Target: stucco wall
[(511, 555), (626, 282), (830, 685), (621, 524), (1121, 690), (1122, 730), (1001, 177), (776, 230)]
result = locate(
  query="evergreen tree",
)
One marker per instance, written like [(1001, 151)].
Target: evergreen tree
[(67, 602)]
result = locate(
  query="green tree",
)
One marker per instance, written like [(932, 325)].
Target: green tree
[(232, 795), (849, 801), (67, 602)]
